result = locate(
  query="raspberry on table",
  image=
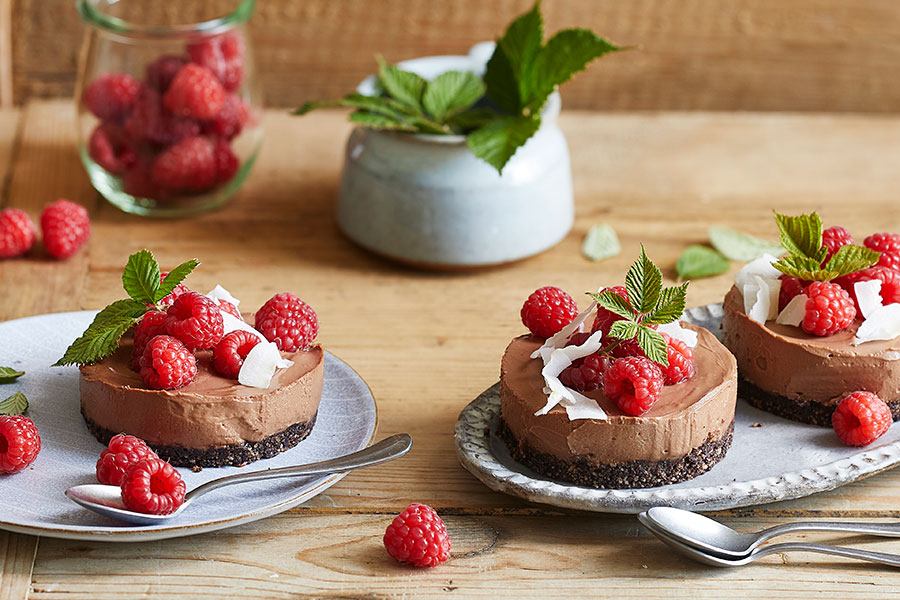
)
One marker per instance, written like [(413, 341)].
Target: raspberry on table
[(177, 291), (16, 232), (122, 452), (149, 121), (634, 383), (19, 443), (109, 148), (681, 361), (195, 92), (883, 242), (288, 321), (890, 282), (861, 418), (162, 71), (604, 319), (230, 120), (585, 374), (152, 486), (65, 227), (167, 364), (790, 287), (189, 164), (829, 309), (418, 536), (152, 324), (229, 354), (833, 238), (547, 310), (195, 320), (110, 96)]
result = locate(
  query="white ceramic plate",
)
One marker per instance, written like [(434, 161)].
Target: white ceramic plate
[(32, 500), (777, 460)]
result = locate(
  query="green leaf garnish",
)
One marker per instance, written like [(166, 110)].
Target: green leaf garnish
[(600, 243), (16, 404), (496, 142), (802, 236), (102, 336), (851, 258), (700, 261), (403, 86), (614, 303), (141, 277), (452, 92), (175, 277), (742, 247), (644, 283), (670, 305), (8, 374), (653, 344), (624, 330)]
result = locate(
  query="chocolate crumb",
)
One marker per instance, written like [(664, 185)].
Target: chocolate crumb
[(757, 424)]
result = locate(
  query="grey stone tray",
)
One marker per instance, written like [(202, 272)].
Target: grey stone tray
[(776, 460)]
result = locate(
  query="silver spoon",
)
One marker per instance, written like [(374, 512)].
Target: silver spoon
[(715, 538), (107, 499), (892, 560)]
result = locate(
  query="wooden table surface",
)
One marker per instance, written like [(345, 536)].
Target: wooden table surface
[(429, 343)]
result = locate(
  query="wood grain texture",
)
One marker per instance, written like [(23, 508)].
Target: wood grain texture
[(429, 343), (804, 55)]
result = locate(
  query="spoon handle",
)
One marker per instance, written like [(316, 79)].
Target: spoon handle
[(880, 529), (383, 451), (883, 558)]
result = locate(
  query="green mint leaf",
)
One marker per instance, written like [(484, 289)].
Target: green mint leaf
[(742, 247), (670, 306), (700, 261), (601, 242), (802, 235), (496, 142), (377, 121), (803, 267), (624, 330), (8, 374), (502, 83), (653, 344), (522, 44), (566, 53), (403, 86), (471, 119), (851, 258), (175, 277), (452, 92), (16, 404), (644, 283), (102, 336), (376, 104), (614, 303), (141, 277)]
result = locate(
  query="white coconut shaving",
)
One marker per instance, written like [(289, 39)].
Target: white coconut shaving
[(761, 267), (882, 324), (794, 311), (260, 365), (868, 296), (675, 330), (220, 293), (764, 296), (558, 339), (577, 405), (232, 323)]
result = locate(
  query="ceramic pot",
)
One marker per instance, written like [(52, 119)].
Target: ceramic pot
[(427, 200)]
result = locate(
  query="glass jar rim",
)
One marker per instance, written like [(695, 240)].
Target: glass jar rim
[(92, 15)]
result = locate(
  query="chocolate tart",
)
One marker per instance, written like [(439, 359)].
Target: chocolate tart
[(685, 433), (212, 421), (801, 377)]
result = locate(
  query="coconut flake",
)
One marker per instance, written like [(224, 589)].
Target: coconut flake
[(794, 311), (882, 324), (232, 323), (675, 330), (558, 339), (559, 359), (765, 299), (583, 408), (260, 365), (868, 296), (220, 293), (761, 267)]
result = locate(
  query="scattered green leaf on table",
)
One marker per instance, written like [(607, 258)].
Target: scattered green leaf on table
[(16, 404), (742, 247), (600, 242), (701, 261), (8, 374)]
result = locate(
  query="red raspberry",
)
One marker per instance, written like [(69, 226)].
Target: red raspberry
[(418, 536), (110, 96), (151, 122), (167, 364), (187, 165), (152, 324), (890, 282), (829, 309), (889, 260), (228, 307), (585, 374), (138, 182), (547, 310), (230, 120), (883, 242), (229, 354), (16, 232), (108, 148), (195, 92), (604, 318), (790, 287), (152, 486), (179, 290), (163, 70), (288, 321), (633, 383), (681, 361), (833, 238), (861, 418), (227, 162), (19, 443), (195, 320), (65, 227), (223, 56), (122, 452)]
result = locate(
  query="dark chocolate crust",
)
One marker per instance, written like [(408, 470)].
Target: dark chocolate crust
[(633, 474), (805, 411), (236, 455)]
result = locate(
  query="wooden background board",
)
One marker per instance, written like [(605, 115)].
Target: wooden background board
[(771, 55), (429, 343)]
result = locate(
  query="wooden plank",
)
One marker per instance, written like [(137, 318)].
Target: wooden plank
[(6, 61)]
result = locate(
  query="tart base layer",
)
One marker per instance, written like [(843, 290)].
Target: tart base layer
[(633, 474), (234, 455)]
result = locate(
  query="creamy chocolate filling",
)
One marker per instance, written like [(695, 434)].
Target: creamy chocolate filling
[(685, 416), (788, 362)]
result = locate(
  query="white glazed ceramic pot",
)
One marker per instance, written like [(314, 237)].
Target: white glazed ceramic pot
[(427, 200)]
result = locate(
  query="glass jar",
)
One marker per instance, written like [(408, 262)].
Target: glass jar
[(168, 103)]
